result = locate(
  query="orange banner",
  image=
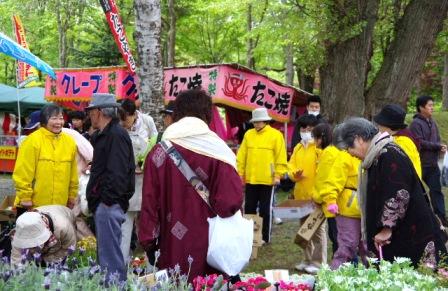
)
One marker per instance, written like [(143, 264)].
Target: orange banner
[(26, 74)]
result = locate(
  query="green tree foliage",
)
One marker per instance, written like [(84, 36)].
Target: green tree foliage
[(217, 32)]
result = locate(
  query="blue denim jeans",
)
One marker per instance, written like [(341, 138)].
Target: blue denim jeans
[(108, 221)]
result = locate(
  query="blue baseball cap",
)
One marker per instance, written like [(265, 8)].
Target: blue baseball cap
[(34, 120)]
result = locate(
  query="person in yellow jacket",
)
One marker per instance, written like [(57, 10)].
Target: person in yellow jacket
[(336, 191), (391, 119), (46, 169), (323, 137), (302, 170), (261, 161)]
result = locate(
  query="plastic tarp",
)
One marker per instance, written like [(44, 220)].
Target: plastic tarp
[(31, 99)]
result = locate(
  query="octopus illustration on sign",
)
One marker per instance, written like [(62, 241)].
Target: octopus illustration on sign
[(235, 86)]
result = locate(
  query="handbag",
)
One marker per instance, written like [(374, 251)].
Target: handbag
[(231, 238)]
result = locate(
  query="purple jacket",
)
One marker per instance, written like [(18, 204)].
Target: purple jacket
[(427, 133)]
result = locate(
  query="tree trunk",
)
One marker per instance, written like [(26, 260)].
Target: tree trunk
[(289, 60), (306, 82), (148, 26), (344, 75), (62, 38), (250, 42), (171, 34), (445, 82), (415, 36)]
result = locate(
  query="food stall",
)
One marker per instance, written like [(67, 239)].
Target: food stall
[(28, 100)]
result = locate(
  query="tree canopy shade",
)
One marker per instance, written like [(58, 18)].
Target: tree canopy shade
[(30, 99), (356, 54)]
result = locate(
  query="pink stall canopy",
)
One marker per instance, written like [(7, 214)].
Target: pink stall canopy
[(239, 90), (234, 87)]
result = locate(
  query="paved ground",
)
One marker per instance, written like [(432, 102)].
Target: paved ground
[(6, 185)]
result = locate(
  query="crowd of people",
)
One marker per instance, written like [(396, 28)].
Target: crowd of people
[(367, 177)]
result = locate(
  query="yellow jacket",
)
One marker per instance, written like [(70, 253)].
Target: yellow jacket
[(408, 146), (46, 170), (304, 159), (337, 181), (260, 153)]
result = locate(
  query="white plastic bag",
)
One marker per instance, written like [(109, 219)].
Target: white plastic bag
[(445, 171), (230, 243), (83, 181)]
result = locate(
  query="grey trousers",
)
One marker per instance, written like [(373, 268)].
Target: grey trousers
[(108, 221)]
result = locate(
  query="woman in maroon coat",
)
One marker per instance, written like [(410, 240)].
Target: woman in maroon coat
[(173, 216)]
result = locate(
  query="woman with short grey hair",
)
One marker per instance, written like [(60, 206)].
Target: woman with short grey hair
[(397, 221)]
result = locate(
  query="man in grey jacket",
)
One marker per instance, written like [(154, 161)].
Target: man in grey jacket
[(425, 129)]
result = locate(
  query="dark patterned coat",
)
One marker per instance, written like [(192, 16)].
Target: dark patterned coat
[(395, 199)]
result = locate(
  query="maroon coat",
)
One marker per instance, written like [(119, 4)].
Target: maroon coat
[(173, 211)]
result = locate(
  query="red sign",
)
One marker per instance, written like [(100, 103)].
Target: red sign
[(79, 84), (117, 28), (228, 85)]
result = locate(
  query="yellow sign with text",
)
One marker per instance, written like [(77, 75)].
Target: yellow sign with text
[(8, 153)]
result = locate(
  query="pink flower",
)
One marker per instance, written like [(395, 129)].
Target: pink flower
[(443, 273)]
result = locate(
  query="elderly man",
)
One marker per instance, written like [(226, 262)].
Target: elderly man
[(49, 230), (111, 183)]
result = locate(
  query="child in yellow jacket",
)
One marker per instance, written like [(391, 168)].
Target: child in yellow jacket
[(336, 190), (302, 170)]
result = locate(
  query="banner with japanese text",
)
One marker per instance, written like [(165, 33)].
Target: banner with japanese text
[(78, 85), (8, 152), (116, 26), (26, 74), (231, 86)]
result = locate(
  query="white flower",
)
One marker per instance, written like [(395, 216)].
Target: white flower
[(401, 260)]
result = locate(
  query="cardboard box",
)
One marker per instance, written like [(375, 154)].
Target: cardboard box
[(274, 276), (258, 224), (293, 209), (6, 212), (309, 227), (254, 254)]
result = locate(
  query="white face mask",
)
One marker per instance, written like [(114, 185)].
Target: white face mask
[(306, 136), (315, 113)]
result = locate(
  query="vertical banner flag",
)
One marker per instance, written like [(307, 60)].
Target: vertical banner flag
[(26, 74), (117, 28)]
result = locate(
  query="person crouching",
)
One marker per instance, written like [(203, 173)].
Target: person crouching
[(48, 231)]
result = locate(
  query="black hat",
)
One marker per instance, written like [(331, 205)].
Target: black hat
[(392, 116), (169, 108)]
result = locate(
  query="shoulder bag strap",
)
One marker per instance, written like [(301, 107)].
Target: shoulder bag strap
[(186, 170)]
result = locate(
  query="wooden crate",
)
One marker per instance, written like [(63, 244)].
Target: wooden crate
[(6, 212)]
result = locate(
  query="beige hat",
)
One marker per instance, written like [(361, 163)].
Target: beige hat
[(260, 114), (31, 231)]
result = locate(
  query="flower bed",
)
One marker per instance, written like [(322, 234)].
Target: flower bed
[(399, 275), (79, 271)]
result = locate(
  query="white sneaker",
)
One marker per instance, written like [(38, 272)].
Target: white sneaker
[(278, 220), (312, 270), (301, 267)]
